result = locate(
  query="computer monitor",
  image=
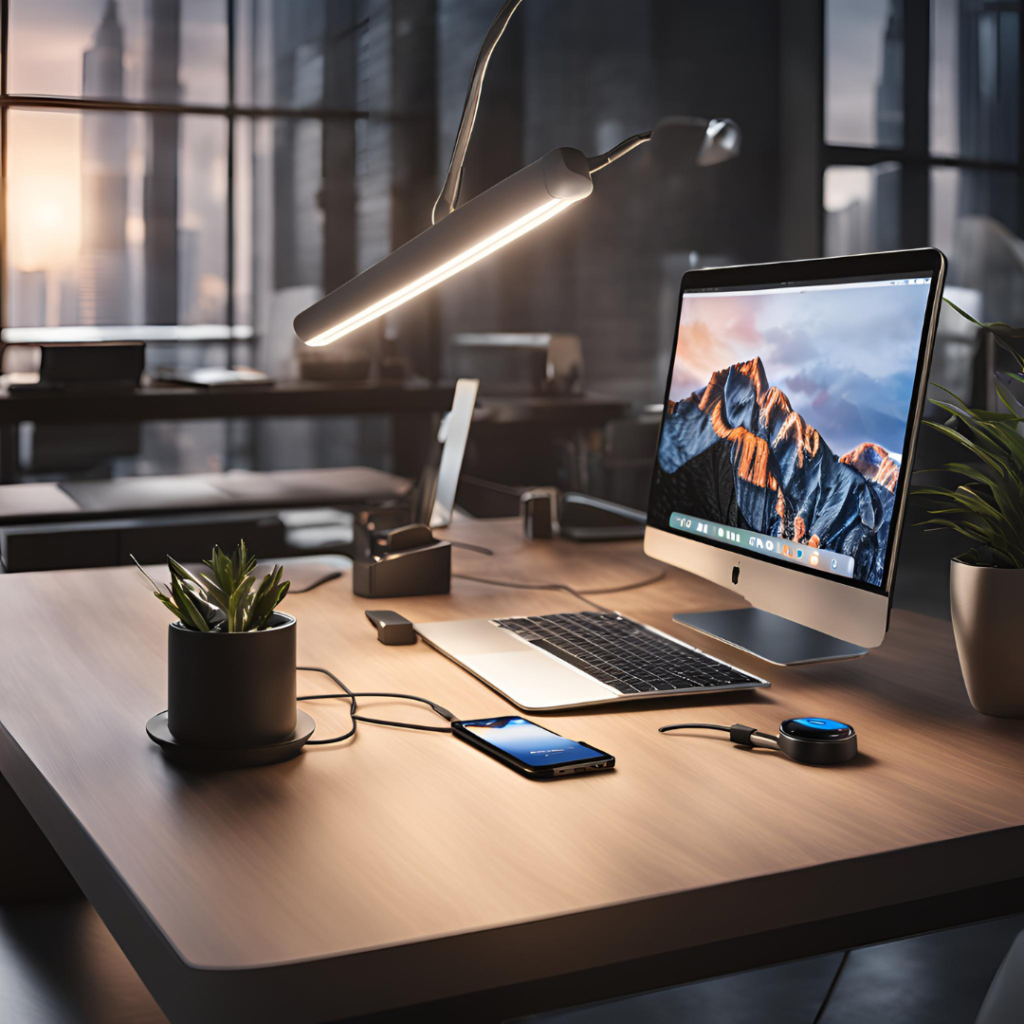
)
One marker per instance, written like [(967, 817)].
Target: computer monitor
[(782, 472)]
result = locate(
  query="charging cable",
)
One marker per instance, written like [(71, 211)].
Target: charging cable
[(741, 735), (349, 694), (580, 595)]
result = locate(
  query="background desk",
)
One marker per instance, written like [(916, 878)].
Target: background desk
[(410, 404), (176, 402), (406, 867)]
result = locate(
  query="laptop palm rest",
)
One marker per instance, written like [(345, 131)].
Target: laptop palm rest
[(531, 679)]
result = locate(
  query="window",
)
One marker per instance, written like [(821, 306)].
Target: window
[(194, 172), (922, 124)]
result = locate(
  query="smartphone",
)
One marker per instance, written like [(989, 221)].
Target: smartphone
[(531, 749)]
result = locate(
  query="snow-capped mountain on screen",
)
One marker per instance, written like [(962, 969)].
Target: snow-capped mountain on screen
[(738, 453)]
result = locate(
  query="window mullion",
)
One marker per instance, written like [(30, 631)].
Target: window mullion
[(914, 212)]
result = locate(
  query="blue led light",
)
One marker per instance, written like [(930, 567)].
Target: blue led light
[(829, 724)]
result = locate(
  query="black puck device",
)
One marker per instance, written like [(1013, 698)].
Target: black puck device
[(819, 741)]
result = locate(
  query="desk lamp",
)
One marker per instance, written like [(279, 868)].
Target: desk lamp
[(463, 235)]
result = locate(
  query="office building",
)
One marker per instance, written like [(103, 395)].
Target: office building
[(104, 284)]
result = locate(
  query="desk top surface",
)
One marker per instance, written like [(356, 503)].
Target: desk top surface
[(398, 838)]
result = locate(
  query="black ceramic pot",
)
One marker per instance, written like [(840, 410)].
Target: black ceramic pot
[(231, 690)]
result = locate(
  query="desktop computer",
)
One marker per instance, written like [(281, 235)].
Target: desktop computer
[(790, 418), (783, 465)]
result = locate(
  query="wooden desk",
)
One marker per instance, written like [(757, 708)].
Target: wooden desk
[(406, 867)]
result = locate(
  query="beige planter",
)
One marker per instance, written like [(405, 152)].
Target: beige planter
[(987, 608)]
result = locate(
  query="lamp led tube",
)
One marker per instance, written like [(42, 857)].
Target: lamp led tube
[(501, 238), (490, 221)]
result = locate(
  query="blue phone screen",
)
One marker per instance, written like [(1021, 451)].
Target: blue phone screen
[(530, 743)]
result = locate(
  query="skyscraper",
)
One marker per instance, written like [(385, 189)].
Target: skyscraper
[(889, 97), (104, 286), (160, 190), (886, 229)]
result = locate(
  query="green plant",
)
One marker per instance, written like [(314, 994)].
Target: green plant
[(987, 505), (225, 600)]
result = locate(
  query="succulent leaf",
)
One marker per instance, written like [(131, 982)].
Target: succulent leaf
[(225, 600)]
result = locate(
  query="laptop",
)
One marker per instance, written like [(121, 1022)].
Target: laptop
[(550, 662)]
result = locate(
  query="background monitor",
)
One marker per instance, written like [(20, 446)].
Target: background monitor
[(791, 413), (453, 434)]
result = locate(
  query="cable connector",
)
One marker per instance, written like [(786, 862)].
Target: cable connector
[(741, 735)]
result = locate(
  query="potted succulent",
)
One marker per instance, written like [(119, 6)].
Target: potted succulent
[(986, 504), (230, 654)]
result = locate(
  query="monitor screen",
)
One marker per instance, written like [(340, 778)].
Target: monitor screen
[(789, 409)]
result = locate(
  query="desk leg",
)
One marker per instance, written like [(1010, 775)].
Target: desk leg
[(8, 453), (29, 866)]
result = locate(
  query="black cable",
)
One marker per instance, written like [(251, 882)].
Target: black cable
[(742, 735), (580, 595), (828, 995), (694, 725), (334, 575), (471, 547), (530, 586), (656, 578), (351, 695)]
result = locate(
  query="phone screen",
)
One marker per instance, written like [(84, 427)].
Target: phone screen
[(529, 743)]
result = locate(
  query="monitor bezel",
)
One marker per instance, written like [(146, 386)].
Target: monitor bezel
[(904, 262)]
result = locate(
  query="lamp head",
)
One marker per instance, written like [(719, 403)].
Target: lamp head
[(470, 233), (676, 134), (722, 139)]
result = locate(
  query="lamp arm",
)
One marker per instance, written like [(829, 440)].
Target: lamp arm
[(449, 196), (453, 181), (599, 163)]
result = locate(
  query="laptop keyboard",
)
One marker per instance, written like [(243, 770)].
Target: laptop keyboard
[(625, 654)]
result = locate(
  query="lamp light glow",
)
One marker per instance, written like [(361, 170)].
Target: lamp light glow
[(465, 259)]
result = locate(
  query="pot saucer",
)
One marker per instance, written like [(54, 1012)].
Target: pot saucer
[(229, 757)]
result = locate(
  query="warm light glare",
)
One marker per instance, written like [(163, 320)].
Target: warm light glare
[(43, 221), (465, 259), (43, 191)]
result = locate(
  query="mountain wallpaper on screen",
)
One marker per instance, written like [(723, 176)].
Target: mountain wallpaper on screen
[(737, 453)]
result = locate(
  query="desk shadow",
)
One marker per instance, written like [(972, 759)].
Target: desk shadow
[(859, 762), (59, 963)]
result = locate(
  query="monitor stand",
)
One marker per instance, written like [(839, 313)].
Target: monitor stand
[(770, 637)]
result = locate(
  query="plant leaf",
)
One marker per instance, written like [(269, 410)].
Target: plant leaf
[(157, 587), (236, 605), (1000, 331), (190, 615)]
